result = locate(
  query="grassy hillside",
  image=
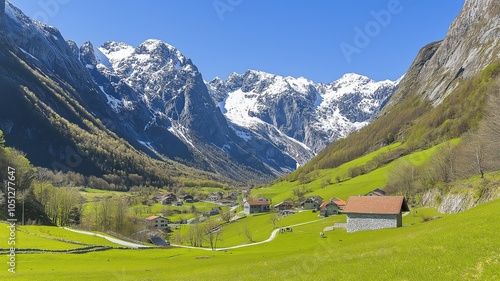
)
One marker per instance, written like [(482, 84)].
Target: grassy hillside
[(455, 247), (326, 185)]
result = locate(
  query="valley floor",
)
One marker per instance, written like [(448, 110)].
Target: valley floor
[(464, 246)]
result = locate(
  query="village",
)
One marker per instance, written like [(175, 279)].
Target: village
[(371, 211)]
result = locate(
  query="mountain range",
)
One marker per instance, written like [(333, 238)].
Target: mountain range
[(154, 101)]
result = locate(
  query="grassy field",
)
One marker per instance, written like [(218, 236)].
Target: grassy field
[(51, 238), (456, 247), (355, 186)]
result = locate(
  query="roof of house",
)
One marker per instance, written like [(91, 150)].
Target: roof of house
[(158, 241), (256, 203), (383, 205), (151, 218), (338, 201), (283, 203), (315, 199)]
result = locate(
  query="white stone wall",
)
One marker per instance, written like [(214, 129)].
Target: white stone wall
[(246, 208), (359, 222)]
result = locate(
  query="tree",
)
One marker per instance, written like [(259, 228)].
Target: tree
[(403, 179), (213, 231), (225, 215), (248, 233), (274, 219), (195, 235), (442, 163), (119, 214), (75, 216)]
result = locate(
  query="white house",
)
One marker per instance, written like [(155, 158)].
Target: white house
[(251, 207)]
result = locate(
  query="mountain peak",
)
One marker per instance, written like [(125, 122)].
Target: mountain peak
[(116, 51), (152, 46), (352, 77)]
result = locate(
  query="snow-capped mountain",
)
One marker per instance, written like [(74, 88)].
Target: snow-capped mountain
[(162, 97), (252, 126), (297, 112)]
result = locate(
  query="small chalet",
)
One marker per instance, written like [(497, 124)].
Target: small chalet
[(282, 206), (374, 212), (312, 203), (251, 207), (216, 196), (339, 202), (168, 199), (231, 196), (188, 198), (328, 208), (157, 222), (376, 192)]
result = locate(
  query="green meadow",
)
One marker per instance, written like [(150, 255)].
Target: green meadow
[(359, 185), (464, 246), (429, 246)]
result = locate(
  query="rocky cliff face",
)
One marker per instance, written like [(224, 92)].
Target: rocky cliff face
[(470, 45), (456, 202)]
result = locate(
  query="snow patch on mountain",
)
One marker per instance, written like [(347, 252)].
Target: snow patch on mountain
[(297, 109)]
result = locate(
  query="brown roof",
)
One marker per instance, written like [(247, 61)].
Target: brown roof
[(383, 205), (152, 218), (338, 201), (283, 203), (255, 203)]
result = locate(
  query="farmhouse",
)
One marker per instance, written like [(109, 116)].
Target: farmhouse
[(282, 206), (328, 208), (374, 212), (157, 222), (251, 207), (312, 203), (339, 202), (376, 192), (188, 198), (168, 199)]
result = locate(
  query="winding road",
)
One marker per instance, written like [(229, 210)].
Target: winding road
[(271, 238), (137, 246), (111, 239)]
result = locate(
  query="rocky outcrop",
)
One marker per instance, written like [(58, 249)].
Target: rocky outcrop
[(472, 43), (459, 201)]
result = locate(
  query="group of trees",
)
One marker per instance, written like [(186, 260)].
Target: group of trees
[(209, 231), (63, 205)]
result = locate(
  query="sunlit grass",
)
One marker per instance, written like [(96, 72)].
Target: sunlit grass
[(464, 246)]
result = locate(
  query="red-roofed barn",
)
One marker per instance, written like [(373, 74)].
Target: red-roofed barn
[(374, 212), (251, 207)]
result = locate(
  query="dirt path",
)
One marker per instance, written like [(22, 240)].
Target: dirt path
[(136, 246), (271, 238), (111, 239)]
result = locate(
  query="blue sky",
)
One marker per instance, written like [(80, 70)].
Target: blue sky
[(320, 40)]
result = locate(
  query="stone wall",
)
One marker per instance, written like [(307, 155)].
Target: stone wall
[(359, 222)]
